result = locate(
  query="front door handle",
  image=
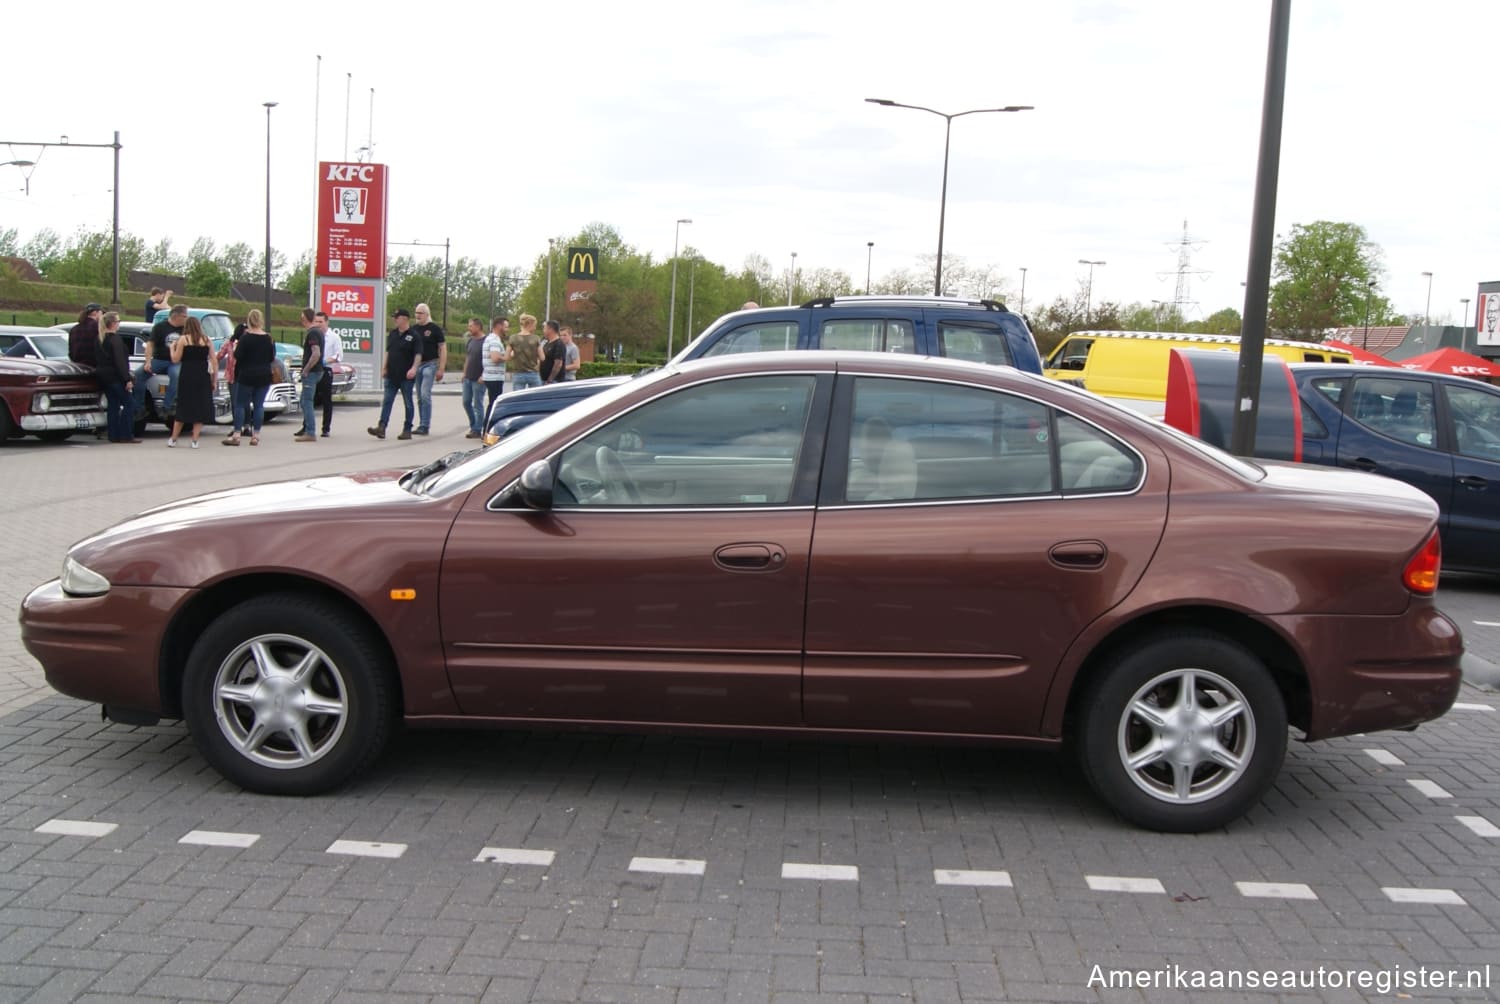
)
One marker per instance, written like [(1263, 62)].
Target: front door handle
[(1364, 464), (1474, 481), (750, 557), (1079, 554)]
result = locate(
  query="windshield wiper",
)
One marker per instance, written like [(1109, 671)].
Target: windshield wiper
[(413, 480)]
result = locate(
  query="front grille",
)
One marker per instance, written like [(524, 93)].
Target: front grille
[(74, 402)]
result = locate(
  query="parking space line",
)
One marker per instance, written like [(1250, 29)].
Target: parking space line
[(1482, 827), (76, 828), (366, 849), (952, 876), (831, 873), (1430, 788), (216, 838), (668, 866), (516, 856), (1116, 883), (1275, 890), (1442, 897), (1385, 758), (1487, 623), (1461, 706)]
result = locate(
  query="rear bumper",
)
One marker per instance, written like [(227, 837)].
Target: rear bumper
[(1366, 674), (105, 649), (57, 421)]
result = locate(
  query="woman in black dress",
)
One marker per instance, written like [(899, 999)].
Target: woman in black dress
[(253, 355), (195, 382)]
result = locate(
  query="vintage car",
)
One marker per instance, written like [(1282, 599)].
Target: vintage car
[(837, 544), (41, 393)]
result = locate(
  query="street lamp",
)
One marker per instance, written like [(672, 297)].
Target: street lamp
[(268, 106), (1088, 303), (791, 279), (1364, 341), (1463, 332), (869, 257), (1023, 292), (1158, 304), (672, 307), (692, 277), (947, 136), (1427, 311)]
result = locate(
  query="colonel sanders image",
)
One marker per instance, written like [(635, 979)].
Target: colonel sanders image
[(351, 205), (1489, 324)]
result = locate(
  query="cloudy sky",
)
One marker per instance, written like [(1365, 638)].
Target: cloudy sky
[(505, 124)]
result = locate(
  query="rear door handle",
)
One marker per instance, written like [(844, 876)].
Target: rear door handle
[(1079, 554), (750, 557), (1474, 481), (1364, 464)]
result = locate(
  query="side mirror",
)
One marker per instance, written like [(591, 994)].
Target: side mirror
[(536, 486)]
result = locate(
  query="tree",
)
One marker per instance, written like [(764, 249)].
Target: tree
[(1320, 274), (44, 249), (88, 258), (298, 281), (162, 258), (10, 242), (206, 278), (238, 260), (1221, 322)]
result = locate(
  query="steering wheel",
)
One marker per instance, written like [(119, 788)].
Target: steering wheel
[(618, 485)]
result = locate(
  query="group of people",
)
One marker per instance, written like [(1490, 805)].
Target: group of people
[(416, 356)]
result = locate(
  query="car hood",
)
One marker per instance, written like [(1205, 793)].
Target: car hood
[(53, 368)]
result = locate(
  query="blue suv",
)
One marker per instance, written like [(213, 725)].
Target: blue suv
[(976, 330)]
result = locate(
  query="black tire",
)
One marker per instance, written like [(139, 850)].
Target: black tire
[(1185, 787), (7, 424), (350, 673), (54, 435)]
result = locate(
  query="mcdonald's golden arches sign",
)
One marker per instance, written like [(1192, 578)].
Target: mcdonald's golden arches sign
[(583, 278)]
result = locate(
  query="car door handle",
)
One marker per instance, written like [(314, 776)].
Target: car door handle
[(1364, 464), (1079, 554), (1474, 481), (750, 557)]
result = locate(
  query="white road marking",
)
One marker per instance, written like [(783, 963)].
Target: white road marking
[(1115, 883), (1275, 890), (951, 876), (1461, 706), (76, 828), (1488, 623), (216, 838), (668, 866), (1430, 788), (1482, 827), (1386, 758), (1443, 897), (366, 849), (516, 856), (833, 873)]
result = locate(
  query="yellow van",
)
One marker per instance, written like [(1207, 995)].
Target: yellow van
[(1131, 366)]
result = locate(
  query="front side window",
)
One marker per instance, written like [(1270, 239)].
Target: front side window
[(868, 335), (1330, 387), (1400, 409), (765, 336), (975, 342), (725, 443)]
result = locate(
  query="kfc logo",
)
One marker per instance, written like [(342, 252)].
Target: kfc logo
[(351, 172), (349, 205)]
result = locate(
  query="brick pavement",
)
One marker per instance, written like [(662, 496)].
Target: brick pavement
[(135, 913)]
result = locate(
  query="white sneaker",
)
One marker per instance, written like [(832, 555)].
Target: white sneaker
[(171, 443), (194, 444)]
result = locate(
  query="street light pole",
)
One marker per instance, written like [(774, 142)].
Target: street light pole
[(268, 105), (1364, 341), (1088, 303), (672, 303), (947, 136), (1463, 332), (869, 257), (692, 277), (1427, 310), (791, 279), (1023, 292), (547, 311)]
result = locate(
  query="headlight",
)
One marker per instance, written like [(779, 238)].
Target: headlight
[(78, 580), (42, 402)]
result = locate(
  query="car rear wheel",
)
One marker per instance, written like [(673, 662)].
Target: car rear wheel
[(1183, 733), (288, 695)]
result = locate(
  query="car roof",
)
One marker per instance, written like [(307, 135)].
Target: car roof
[(1360, 369), (27, 329)]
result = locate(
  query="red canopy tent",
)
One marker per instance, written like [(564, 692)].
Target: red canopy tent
[(1359, 355), (1453, 361)]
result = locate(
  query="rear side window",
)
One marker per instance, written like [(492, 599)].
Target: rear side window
[(1330, 387), (974, 342), (1400, 409), (766, 336), (1090, 460), (1476, 421), (868, 335)]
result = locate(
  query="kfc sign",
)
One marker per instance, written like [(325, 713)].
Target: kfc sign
[(351, 220), (340, 302)]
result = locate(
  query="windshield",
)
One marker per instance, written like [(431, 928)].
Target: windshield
[(469, 472), (217, 327), (51, 346)]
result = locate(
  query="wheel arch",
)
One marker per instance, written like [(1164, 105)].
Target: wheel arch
[(198, 613), (1279, 657)]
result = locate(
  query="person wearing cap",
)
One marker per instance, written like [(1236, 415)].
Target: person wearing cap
[(403, 354), (83, 339)]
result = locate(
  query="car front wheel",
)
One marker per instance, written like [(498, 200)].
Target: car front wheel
[(1183, 733), (288, 695)]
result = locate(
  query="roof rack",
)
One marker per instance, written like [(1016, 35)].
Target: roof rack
[(957, 301)]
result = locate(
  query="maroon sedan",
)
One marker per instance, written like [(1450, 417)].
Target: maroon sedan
[(807, 543)]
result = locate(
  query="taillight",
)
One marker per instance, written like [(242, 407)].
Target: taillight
[(1421, 575)]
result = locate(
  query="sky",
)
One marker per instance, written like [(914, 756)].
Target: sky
[(505, 124)]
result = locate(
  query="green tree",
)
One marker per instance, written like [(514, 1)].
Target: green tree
[(1321, 275), (206, 278), (238, 261), (298, 282), (10, 242), (44, 249), (1220, 322), (161, 258), (88, 259)]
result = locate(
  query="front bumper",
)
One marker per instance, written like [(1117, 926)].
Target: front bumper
[(57, 421), (105, 649)]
